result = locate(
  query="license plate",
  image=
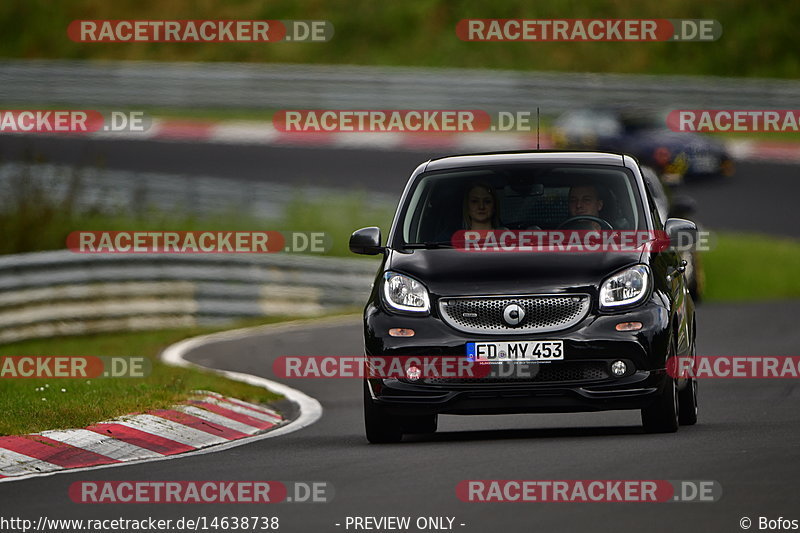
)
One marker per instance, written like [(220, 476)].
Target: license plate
[(520, 351)]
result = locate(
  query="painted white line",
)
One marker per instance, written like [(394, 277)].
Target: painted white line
[(264, 133), (161, 427), (100, 444), (17, 464), (310, 408), (219, 420)]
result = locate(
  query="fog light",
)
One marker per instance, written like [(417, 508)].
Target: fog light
[(401, 332), (629, 326), (413, 373), (619, 368)]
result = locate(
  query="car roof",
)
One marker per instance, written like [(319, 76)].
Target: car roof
[(522, 157)]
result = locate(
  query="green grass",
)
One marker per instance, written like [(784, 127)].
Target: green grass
[(25, 409), (752, 267), (759, 38), (338, 215)]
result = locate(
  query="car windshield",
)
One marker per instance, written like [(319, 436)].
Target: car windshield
[(518, 198)]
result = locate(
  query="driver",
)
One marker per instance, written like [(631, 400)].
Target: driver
[(584, 200)]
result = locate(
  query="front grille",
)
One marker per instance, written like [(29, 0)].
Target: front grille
[(533, 373), (543, 313)]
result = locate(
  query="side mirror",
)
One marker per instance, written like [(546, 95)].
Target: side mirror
[(682, 206), (366, 241), (681, 232)]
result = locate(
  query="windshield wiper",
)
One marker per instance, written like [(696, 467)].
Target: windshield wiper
[(428, 245)]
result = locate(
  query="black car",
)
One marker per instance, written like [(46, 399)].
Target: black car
[(644, 135), (595, 328)]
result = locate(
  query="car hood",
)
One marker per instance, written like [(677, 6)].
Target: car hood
[(450, 272)]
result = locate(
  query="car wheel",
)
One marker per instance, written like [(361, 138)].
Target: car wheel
[(381, 427), (662, 415), (687, 404)]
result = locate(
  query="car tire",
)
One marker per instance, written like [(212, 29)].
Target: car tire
[(687, 404), (381, 427), (662, 415)]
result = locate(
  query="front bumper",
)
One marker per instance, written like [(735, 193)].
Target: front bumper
[(634, 392), (581, 382)]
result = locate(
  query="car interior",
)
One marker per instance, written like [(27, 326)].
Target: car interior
[(527, 199)]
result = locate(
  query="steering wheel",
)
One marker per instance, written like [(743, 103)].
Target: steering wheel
[(601, 221)]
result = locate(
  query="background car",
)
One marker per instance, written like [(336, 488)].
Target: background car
[(674, 155)]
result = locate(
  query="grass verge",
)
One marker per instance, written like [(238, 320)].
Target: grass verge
[(35, 218), (25, 409), (752, 267)]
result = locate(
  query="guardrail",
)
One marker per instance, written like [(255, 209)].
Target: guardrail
[(46, 294), (138, 193), (274, 86)]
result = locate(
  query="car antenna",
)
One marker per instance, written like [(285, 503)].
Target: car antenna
[(537, 128)]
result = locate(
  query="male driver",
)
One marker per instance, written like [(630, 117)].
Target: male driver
[(585, 201)]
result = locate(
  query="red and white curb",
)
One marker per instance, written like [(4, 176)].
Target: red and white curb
[(264, 133), (204, 420), (255, 132), (751, 150), (207, 422)]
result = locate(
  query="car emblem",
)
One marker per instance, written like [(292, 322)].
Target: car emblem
[(513, 314)]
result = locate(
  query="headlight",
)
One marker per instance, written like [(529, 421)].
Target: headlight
[(405, 294), (626, 287)]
